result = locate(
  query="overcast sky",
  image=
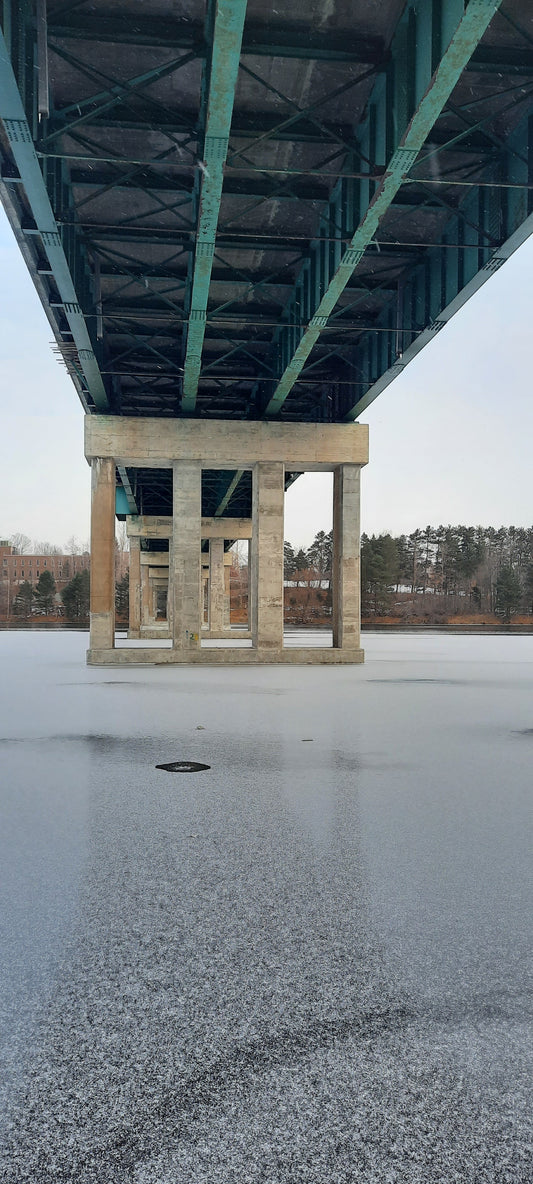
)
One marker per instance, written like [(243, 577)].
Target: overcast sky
[(450, 439)]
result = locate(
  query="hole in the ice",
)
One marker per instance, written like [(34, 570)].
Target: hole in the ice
[(183, 767)]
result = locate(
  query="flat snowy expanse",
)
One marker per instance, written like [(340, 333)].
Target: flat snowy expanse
[(305, 964)]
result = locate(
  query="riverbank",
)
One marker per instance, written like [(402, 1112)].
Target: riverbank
[(469, 629)]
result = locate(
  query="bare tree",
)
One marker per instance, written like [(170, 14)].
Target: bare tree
[(21, 543), (121, 535), (46, 548)]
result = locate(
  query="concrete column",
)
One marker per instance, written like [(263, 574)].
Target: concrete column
[(268, 488), (102, 635), (227, 595), (170, 589), (204, 598), (146, 617), (135, 588), (346, 560), (216, 585), (186, 554)]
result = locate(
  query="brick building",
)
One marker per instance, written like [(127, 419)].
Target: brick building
[(15, 569)]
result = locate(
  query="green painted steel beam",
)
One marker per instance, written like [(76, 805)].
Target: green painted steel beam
[(422, 339), (164, 32), (455, 267), (13, 116), (259, 41), (250, 127), (244, 127), (470, 27), (156, 181), (222, 80), (229, 493), (67, 118), (127, 490)]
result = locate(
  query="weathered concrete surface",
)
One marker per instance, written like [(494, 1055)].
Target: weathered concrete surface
[(346, 557), (135, 589), (308, 963), (147, 616), (148, 527), (266, 567), (155, 558), (224, 444), (102, 553), (229, 656), (185, 579), (217, 589)]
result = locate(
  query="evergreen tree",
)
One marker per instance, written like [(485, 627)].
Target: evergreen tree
[(301, 564), (75, 597), (22, 605), (122, 596), (379, 570), (320, 553), (289, 561), (45, 592), (508, 594)]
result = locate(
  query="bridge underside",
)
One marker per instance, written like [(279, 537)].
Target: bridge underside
[(246, 212)]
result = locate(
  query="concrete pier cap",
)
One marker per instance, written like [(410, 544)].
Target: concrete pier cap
[(186, 447)]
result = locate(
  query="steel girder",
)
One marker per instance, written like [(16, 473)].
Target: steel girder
[(404, 108), (220, 82), (169, 33), (499, 220), (67, 260)]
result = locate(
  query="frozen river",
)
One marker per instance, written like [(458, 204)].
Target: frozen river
[(307, 964)]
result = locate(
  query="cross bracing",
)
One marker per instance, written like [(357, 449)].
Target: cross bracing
[(250, 212)]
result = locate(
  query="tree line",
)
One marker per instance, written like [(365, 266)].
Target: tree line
[(23, 545), (42, 599), (437, 570), (472, 569)]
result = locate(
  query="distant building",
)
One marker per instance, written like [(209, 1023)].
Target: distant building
[(15, 569)]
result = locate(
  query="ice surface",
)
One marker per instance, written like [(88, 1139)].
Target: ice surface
[(307, 963)]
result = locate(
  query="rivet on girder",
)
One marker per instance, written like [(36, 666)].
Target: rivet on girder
[(18, 131), (215, 148), (494, 264), (402, 160), (351, 258)]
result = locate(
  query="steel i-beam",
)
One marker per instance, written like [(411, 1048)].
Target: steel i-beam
[(331, 276), (227, 39), (21, 144)]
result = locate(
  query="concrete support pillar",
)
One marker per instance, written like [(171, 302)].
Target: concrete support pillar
[(227, 596), (102, 635), (216, 585), (146, 615), (135, 587), (186, 554), (268, 489), (170, 588), (346, 557)]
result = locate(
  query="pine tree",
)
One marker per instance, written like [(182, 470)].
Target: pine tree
[(45, 592), (75, 597)]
